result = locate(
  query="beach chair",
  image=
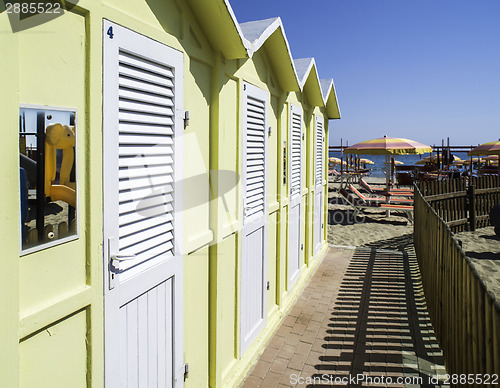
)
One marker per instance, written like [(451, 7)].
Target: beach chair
[(336, 175), (379, 190), (392, 199), (359, 205)]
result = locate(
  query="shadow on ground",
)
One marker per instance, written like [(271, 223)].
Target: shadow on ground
[(379, 325), (349, 217), (402, 243)]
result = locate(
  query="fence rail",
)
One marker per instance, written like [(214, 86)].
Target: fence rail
[(466, 318), (464, 204)]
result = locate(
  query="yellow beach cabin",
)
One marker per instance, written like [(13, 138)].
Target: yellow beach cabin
[(164, 191)]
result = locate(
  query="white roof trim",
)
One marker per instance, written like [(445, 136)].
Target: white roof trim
[(258, 31), (326, 87), (245, 41), (304, 67), (255, 33), (328, 91)]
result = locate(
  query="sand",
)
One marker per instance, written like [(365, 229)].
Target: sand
[(483, 248), (372, 228)]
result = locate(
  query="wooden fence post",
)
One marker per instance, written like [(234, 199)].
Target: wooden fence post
[(471, 194)]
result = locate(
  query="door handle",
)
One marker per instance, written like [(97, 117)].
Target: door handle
[(123, 257), (117, 259)]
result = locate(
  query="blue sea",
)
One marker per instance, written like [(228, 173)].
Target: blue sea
[(379, 160)]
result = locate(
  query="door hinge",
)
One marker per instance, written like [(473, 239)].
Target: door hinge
[(268, 285), (301, 247), (186, 119), (186, 371)]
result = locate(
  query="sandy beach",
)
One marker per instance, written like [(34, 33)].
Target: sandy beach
[(483, 247), (372, 228)]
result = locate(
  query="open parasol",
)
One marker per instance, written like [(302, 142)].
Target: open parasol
[(335, 161), (388, 146), (490, 148), (366, 161)]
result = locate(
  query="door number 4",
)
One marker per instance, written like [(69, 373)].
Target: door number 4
[(110, 33)]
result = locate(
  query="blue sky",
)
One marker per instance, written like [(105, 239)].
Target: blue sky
[(420, 69)]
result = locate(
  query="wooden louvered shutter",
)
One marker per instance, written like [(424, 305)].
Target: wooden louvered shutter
[(319, 153), (255, 157), (295, 151), (146, 164)]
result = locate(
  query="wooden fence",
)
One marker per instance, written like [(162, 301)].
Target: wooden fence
[(466, 318), (464, 204)]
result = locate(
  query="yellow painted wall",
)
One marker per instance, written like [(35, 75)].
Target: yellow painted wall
[(55, 295), (58, 284)]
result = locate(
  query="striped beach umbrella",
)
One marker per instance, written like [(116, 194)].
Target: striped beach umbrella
[(366, 161), (335, 161), (492, 158), (490, 148), (433, 158), (388, 146)]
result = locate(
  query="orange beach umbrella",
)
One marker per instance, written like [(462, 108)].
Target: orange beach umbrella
[(388, 146), (490, 148)]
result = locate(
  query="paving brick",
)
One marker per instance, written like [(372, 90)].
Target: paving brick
[(276, 342), (313, 358), (269, 354), (286, 351), (272, 379), (336, 328), (289, 321), (288, 376), (279, 365), (297, 361), (292, 339), (252, 382), (261, 369), (308, 336)]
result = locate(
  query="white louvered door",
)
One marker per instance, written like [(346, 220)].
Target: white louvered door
[(318, 184), (294, 213), (142, 124), (254, 230)]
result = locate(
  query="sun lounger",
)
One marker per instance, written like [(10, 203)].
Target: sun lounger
[(336, 175), (379, 190), (359, 205), (359, 195)]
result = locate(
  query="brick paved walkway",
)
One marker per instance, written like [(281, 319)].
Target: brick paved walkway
[(362, 315)]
